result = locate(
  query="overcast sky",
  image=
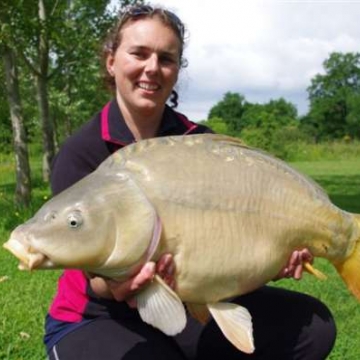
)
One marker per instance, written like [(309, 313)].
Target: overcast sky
[(263, 49)]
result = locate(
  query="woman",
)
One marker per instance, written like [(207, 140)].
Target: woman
[(93, 318)]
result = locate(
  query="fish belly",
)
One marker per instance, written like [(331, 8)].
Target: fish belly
[(216, 255)]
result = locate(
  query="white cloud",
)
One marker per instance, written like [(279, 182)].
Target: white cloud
[(262, 49)]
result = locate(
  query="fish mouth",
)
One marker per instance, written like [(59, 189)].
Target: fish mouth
[(29, 258)]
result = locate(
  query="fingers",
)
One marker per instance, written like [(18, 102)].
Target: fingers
[(145, 275), (127, 289), (162, 266), (298, 270), (165, 268), (306, 256), (300, 258), (294, 267)]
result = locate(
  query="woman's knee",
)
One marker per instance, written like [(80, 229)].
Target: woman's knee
[(318, 337)]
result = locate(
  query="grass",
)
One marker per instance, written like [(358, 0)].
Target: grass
[(341, 180), (24, 297)]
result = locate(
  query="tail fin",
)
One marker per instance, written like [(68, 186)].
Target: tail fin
[(350, 268)]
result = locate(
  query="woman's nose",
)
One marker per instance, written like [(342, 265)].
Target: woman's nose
[(152, 64)]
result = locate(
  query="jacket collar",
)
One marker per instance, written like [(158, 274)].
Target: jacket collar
[(115, 130)]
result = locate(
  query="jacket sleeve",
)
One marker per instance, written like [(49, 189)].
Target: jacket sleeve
[(69, 166)]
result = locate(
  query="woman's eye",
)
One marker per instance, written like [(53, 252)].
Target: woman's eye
[(74, 221), (167, 60), (138, 55)]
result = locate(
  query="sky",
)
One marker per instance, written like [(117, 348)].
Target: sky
[(262, 49)]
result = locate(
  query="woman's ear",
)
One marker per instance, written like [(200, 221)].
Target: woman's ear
[(110, 64)]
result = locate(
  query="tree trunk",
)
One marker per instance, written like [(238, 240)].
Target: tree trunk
[(42, 93), (47, 129), (23, 176)]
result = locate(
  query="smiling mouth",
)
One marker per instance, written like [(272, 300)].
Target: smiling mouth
[(148, 87)]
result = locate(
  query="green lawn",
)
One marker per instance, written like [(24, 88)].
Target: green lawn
[(341, 180), (25, 297)]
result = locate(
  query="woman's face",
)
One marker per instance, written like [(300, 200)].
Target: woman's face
[(145, 65)]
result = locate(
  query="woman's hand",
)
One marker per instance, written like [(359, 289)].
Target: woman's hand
[(125, 290), (294, 267)]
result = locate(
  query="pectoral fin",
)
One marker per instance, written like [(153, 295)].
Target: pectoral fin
[(235, 323), (161, 307)]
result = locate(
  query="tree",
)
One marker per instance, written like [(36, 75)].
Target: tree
[(218, 125), (231, 109), (10, 72), (264, 124), (48, 35), (51, 48), (334, 96), (5, 122), (271, 115), (23, 177), (353, 116)]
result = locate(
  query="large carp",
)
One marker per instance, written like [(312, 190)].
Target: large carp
[(230, 215)]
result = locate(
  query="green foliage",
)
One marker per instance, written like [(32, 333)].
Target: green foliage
[(334, 98), (74, 31), (230, 109), (279, 112), (334, 110), (77, 91), (353, 116), (218, 125), (334, 151), (278, 141), (264, 123), (269, 126)]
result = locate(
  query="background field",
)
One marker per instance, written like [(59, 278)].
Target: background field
[(24, 297), (341, 180)]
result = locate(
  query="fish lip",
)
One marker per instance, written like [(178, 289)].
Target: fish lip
[(29, 258)]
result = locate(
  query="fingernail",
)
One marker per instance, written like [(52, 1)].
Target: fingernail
[(150, 268), (170, 269), (168, 259)]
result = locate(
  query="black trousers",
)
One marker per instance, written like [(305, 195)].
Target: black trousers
[(287, 326)]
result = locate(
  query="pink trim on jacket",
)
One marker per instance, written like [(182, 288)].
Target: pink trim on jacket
[(69, 306), (105, 133), (190, 125)]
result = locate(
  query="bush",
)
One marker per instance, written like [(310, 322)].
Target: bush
[(337, 150), (274, 140)]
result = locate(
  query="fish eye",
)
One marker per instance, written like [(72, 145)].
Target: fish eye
[(74, 220)]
